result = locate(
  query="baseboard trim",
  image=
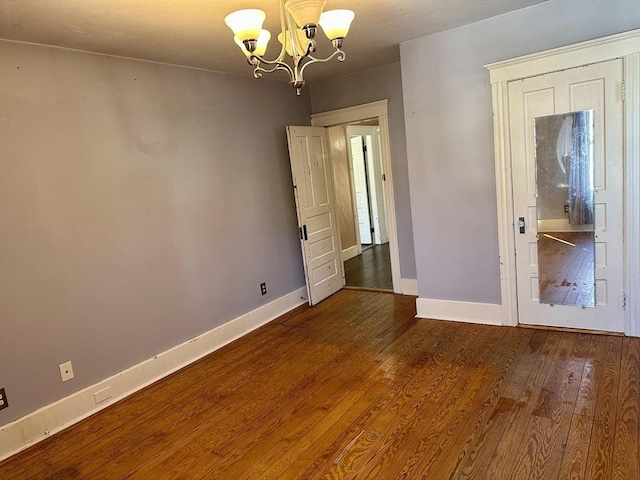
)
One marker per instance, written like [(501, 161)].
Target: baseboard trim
[(469, 312), (46, 421), (349, 253), (409, 286)]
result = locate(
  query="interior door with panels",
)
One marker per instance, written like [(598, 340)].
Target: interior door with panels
[(595, 89), (315, 205)]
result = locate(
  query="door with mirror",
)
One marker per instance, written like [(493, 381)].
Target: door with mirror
[(567, 166)]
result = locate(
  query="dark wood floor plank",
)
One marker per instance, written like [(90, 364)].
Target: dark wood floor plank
[(410, 439), (393, 399), (504, 365), (383, 434), (601, 447), (436, 451), (542, 454), (313, 400), (626, 457), (357, 387), (325, 449), (480, 453), (370, 269), (574, 463), (502, 461), (354, 399)]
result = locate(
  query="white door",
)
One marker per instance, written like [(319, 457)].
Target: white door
[(360, 184), (371, 139), (377, 190), (596, 87), (315, 204)]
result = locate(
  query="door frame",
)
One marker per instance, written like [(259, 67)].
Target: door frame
[(625, 46), (358, 113)]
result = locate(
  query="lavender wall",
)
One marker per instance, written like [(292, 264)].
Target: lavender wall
[(447, 106), (141, 205), (370, 86)]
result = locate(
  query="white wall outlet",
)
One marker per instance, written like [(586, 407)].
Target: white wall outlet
[(66, 371)]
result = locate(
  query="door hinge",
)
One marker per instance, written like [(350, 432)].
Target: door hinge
[(384, 177), (624, 300), (622, 91), (364, 148), (373, 230)]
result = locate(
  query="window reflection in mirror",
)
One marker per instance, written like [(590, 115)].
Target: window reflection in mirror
[(565, 208)]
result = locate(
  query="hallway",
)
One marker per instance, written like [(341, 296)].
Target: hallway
[(371, 269)]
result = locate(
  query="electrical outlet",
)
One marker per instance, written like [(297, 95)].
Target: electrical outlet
[(263, 288), (3, 399), (66, 371)]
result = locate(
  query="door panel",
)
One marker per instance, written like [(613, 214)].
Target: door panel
[(315, 205), (595, 87)]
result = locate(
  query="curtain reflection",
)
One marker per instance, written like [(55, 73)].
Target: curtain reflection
[(573, 153)]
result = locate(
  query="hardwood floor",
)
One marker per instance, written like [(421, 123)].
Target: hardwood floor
[(371, 269), (356, 387)]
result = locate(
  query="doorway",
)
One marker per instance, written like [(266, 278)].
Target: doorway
[(536, 92), (382, 260), (371, 267)]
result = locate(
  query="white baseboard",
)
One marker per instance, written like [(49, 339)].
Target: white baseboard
[(409, 286), (46, 421), (470, 312), (350, 252)]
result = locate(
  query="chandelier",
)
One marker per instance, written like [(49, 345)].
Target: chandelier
[(299, 20)]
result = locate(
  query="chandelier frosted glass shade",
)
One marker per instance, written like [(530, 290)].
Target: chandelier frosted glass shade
[(246, 24), (336, 23), (305, 12)]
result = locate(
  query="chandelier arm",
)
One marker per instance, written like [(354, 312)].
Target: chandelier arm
[(338, 53), (280, 56), (283, 28), (277, 65), (293, 37)]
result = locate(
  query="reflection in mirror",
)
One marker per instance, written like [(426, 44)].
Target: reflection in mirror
[(565, 208)]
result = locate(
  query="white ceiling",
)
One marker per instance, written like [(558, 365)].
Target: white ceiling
[(193, 33)]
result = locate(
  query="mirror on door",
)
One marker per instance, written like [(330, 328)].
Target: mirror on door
[(565, 208)]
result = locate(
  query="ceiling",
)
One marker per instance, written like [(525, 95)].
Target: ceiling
[(193, 33)]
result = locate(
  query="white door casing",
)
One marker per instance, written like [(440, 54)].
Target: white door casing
[(595, 87), (625, 46), (357, 113), (315, 205)]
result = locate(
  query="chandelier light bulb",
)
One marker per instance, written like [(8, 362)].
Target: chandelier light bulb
[(261, 48)]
